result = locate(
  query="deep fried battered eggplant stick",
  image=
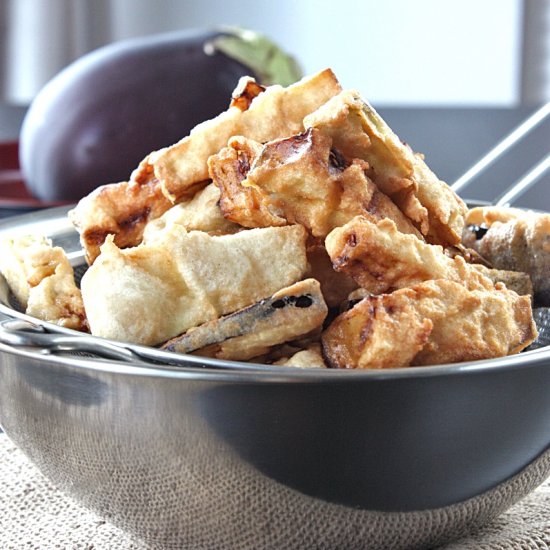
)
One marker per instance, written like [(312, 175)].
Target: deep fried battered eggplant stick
[(513, 239), (435, 322), (358, 131), (42, 279), (380, 258), (285, 316), (120, 209), (180, 279)]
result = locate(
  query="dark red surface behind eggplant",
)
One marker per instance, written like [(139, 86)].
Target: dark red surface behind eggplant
[(14, 196), (95, 121)]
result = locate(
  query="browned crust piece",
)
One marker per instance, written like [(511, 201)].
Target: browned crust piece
[(120, 209), (435, 322), (515, 240), (247, 89), (42, 279), (358, 131), (299, 179), (246, 206), (275, 113), (380, 258)]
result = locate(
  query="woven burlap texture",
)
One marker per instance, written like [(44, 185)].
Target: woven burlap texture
[(33, 514)]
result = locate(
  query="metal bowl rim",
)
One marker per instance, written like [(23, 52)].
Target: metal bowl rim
[(209, 369)]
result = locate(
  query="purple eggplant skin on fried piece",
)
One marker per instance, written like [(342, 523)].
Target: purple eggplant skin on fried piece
[(99, 117), (514, 240)]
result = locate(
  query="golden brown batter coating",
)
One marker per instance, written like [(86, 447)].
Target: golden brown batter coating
[(152, 292), (287, 315), (515, 240), (380, 258), (435, 322), (120, 209), (358, 131), (42, 280), (245, 205), (299, 179)]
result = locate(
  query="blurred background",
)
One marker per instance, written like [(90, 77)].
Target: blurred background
[(452, 78)]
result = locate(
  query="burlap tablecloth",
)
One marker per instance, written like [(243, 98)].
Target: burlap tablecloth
[(34, 515)]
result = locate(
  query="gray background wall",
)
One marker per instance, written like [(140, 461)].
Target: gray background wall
[(451, 78)]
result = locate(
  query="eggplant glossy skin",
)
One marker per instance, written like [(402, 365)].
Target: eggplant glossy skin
[(97, 119)]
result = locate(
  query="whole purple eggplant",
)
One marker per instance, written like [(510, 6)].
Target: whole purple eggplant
[(94, 122)]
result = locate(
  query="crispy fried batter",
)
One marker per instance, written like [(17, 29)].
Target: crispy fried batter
[(247, 89), (42, 279), (244, 205), (201, 213), (380, 258), (359, 132), (515, 240), (153, 292), (24, 262), (207, 245), (309, 358), (373, 335), (288, 314), (486, 216), (119, 209), (300, 179), (433, 322), (275, 113)]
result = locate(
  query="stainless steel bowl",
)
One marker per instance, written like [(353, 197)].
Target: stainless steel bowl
[(206, 454)]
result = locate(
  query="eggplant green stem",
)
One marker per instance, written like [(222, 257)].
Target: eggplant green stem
[(265, 58)]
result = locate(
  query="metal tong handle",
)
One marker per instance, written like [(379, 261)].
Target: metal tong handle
[(15, 332), (23, 333), (527, 180)]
